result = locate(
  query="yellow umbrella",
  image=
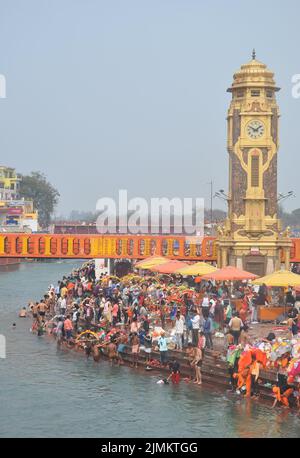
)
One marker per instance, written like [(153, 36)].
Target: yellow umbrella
[(279, 278), (199, 268), (151, 262)]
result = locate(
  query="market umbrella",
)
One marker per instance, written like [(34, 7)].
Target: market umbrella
[(282, 278), (229, 273), (169, 267), (199, 268), (152, 261)]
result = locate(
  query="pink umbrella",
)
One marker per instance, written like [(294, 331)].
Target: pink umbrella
[(169, 267), (229, 273)]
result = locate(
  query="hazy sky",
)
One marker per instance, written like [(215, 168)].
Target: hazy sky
[(109, 95)]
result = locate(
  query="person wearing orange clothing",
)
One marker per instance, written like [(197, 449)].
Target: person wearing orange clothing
[(249, 366), (243, 313), (70, 285), (282, 397), (243, 377), (68, 327), (254, 374), (130, 314)]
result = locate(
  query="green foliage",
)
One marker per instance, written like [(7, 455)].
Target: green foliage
[(77, 215), (36, 187), (290, 219)]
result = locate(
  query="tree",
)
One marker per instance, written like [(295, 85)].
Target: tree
[(36, 187), (88, 216), (296, 214)]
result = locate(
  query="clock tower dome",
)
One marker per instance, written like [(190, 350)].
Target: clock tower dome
[(250, 238)]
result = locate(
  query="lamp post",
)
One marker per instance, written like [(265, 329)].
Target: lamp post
[(211, 203), (281, 197), (221, 195)]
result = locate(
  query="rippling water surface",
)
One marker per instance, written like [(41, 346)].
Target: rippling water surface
[(50, 393)]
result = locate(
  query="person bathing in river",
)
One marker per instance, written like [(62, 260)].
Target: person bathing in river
[(254, 371), (121, 345), (68, 327), (148, 347), (23, 313), (41, 328), (112, 352), (34, 310), (135, 349), (196, 363), (42, 308), (59, 331), (190, 357), (88, 349), (96, 353), (175, 371)]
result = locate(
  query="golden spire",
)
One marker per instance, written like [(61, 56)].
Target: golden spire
[(253, 74)]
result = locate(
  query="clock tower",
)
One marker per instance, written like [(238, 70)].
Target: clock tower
[(251, 237)]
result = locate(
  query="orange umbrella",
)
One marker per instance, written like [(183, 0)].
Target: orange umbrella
[(169, 267), (229, 273)]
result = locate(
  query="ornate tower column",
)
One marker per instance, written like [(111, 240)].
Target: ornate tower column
[(252, 230)]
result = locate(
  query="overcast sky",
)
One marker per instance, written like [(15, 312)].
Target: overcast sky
[(109, 95)]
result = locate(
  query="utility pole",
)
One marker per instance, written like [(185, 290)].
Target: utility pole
[(211, 203)]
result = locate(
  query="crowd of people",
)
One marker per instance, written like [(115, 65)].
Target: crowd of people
[(160, 313)]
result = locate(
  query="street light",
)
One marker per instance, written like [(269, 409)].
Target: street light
[(282, 197), (220, 196), (221, 191), (211, 202)]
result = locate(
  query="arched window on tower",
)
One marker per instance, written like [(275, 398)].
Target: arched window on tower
[(255, 171)]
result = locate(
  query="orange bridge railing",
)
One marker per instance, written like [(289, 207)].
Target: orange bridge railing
[(105, 246), (91, 246)]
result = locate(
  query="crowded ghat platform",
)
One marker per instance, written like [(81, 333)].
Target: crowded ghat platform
[(200, 329)]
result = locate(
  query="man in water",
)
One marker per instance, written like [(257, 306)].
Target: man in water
[(68, 327), (41, 328), (42, 309), (175, 371), (96, 353), (135, 349), (112, 352), (148, 347), (197, 363), (59, 331), (23, 313), (190, 356), (121, 342)]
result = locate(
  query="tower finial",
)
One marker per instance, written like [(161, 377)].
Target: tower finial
[(253, 54)]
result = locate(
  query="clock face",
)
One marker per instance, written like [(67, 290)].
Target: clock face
[(255, 129)]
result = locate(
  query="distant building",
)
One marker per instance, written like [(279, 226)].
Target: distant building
[(16, 215), (9, 183)]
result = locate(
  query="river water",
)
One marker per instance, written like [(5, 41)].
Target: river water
[(50, 393)]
